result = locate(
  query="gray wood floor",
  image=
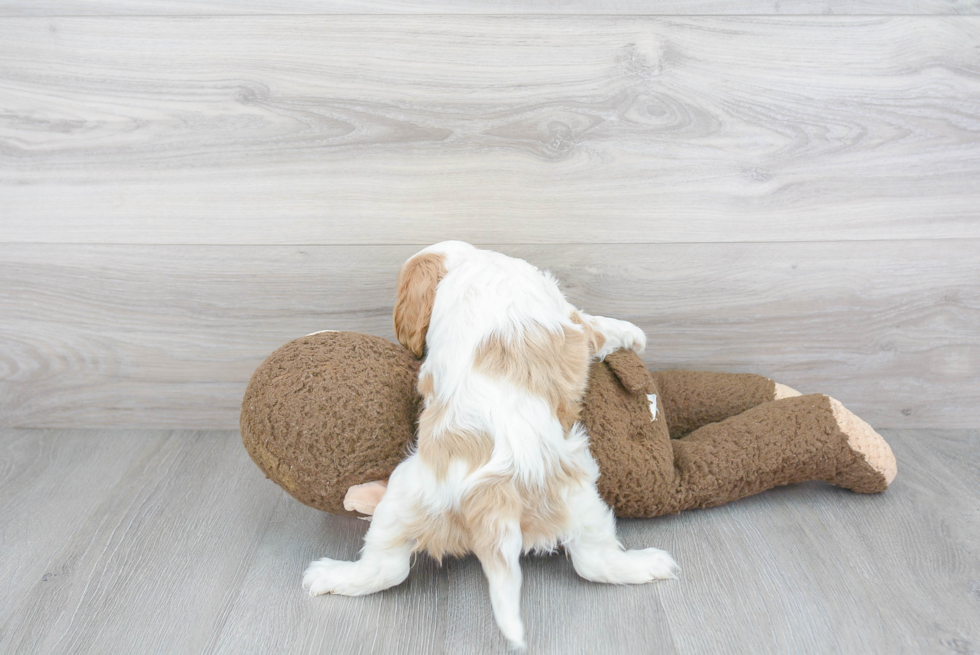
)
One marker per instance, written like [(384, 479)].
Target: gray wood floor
[(173, 542)]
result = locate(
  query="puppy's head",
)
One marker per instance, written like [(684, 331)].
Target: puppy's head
[(417, 282)]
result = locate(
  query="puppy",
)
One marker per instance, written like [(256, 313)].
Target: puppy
[(501, 465)]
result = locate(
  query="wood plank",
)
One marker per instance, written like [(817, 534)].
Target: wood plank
[(437, 610), (814, 569), (624, 7), (169, 335), (802, 569), (50, 483), (565, 614), (273, 614), (161, 562), (360, 129)]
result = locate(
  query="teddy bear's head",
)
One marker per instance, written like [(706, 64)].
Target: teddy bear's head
[(329, 411)]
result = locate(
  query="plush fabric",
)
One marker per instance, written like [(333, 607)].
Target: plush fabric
[(732, 439), (328, 411), (337, 409)]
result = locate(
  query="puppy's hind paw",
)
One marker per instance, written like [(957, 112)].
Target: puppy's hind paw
[(647, 565), (328, 576), (365, 576), (658, 564)]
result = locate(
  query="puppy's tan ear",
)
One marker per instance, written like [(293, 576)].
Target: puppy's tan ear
[(417, 282)]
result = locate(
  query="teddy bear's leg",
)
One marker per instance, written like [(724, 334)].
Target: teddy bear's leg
[(692, 399), (782, 442), (863, 439), (386, 557)]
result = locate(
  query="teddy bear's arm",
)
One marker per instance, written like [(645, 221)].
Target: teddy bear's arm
[(365, 497), (692, 399)]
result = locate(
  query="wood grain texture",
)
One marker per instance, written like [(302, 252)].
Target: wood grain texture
[(192, 550), (50, 482), (410, 618), (160, 561), (410, 129), (509, 7), (886, 574), (168, 336)]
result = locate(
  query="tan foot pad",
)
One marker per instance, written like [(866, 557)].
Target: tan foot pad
[(782, 391), (365, 497), (862, 438)]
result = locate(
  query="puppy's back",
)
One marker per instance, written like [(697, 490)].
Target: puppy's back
[(506, 367)]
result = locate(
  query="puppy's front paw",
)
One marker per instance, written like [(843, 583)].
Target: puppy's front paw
[(626, 335), (634, 337)]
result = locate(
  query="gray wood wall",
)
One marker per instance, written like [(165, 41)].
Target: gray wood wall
[(186, 185)]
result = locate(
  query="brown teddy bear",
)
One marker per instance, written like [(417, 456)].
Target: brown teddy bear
[(329, 416)]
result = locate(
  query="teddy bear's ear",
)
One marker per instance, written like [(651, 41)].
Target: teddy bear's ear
[(631, 371)]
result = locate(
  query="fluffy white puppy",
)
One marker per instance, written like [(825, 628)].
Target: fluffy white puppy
[(501, 465)]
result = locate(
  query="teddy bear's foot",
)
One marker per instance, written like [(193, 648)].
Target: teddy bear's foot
[(782, 391), (365, 497), (873, 466)]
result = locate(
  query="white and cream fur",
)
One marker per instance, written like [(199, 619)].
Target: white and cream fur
[(501, 465)]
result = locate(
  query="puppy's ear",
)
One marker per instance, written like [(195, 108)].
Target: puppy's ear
[(417, 282)]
